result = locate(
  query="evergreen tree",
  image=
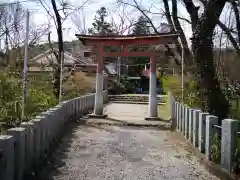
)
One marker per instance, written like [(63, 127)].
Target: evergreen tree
[(100, 24), (101, 27), (141, 28)]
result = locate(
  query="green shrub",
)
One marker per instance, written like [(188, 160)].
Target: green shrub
[(10, 95), (215, 155), (236, 164), (39, 101), (39, 98), (190, 93)]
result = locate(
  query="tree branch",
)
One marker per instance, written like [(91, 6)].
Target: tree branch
[(230, 37), (237, 17), (193, 12)]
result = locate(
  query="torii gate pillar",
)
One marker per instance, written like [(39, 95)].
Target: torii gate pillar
[(98, 103), (152, 100)]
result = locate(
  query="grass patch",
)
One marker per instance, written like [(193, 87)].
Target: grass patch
[(164, 110)]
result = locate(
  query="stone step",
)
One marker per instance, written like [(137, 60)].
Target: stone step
[(133, 98), (135, 102)]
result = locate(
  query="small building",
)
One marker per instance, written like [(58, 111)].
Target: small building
[(45, 62)]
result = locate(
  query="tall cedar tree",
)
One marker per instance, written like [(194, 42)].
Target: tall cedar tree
[(102, 27), (141, 27)]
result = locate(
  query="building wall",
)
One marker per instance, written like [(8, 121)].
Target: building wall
[(78, 49)]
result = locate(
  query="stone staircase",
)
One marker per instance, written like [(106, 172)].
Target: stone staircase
[(135, 98)]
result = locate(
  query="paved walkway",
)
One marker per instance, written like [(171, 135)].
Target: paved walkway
[(131, 114), (99, 152)]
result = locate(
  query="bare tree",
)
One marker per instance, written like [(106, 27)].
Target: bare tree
[(157, 29), (59, 11), (122, 20), (12, 21), (79, 21), (214, 101)]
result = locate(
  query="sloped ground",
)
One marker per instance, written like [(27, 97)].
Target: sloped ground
[(99, 152), (78, 84)]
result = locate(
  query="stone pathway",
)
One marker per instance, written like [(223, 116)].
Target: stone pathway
[(131, 114), (99, 152)]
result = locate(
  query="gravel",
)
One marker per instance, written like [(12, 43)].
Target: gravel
[(91, 152)]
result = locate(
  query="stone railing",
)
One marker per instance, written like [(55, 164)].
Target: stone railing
[(24, 147), (201, 128)]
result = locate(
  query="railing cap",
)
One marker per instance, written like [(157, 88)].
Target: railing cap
[(4, 137)]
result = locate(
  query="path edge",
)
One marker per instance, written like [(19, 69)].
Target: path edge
[(212, 167)]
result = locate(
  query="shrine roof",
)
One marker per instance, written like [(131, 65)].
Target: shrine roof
[(127, 37)]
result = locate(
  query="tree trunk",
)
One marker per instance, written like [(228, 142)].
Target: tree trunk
[(175, 22), (188, 60), (60, 49), (214, 100)]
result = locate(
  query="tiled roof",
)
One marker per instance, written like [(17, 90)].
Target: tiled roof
[(47, 56)]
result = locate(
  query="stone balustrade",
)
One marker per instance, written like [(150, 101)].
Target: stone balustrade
[(24, 147), (200, 128)]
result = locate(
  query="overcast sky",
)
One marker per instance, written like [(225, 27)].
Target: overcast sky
[(40, 17)]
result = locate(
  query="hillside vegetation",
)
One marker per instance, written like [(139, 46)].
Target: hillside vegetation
[(40, 95)]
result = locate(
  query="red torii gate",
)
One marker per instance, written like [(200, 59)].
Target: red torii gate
[(124, 41)]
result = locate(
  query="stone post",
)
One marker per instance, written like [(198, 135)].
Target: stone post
[(174, 113), (85, 105), (183, 119), (36, 140), (152, 104), (40, 139), (89, 101), (7, 157), (106, 96), (59, 113), (78, 107), (190, 137), (70, 110), (81, 106), (19, 135), (202, 131), (186, 133), (74, 108), (55, 124), (29, 143), (210, 133), (228, 142), (178, 119), (98, 104), (45, 129), (195, 127), (93, 98)]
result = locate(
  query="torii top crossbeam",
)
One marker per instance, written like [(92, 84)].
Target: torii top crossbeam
[(161, 38), (153, 39)]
